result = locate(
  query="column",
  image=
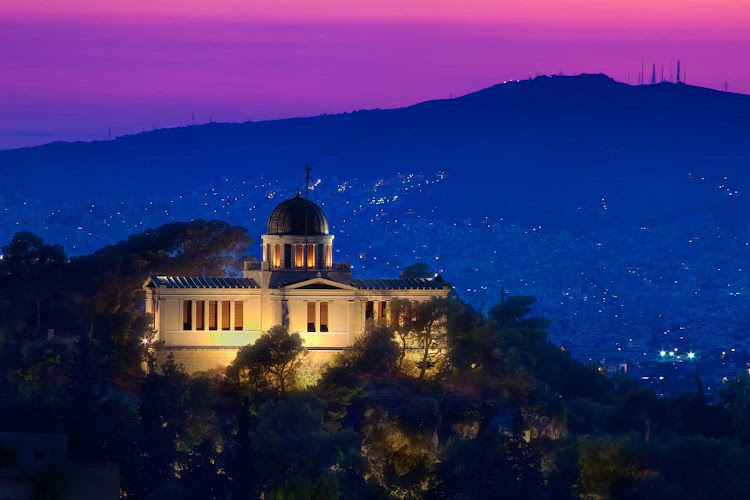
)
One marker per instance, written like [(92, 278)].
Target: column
[(363, 314), (219, 315), (192, 315), (205, 315), (231, 315), (350, 321), (317, 316)]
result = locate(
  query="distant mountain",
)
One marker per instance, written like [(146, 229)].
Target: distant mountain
[(536, 149)]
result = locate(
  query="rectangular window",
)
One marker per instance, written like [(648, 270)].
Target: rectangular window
[(370, 310), (238, 315), (382, 309), (277, 255), (187, 314), (310, 255), (226, 314), (287, 256), (200, 314), (324, 316), (329, 255), (311, 316), (212, 315), (299, 252)]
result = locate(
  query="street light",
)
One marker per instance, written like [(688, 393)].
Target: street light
[(662, 353), (691, 355)]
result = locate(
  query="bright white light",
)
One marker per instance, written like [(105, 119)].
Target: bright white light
[(691, 355), (144, 340), (662, 353)]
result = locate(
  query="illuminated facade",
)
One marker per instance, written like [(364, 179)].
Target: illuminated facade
[(204, 320)]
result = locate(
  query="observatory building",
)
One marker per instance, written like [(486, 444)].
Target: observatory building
[(203, 321)]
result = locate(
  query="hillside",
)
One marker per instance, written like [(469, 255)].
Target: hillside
[(561, 140)]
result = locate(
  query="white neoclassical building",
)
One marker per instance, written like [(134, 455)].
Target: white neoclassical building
[(203, 321)]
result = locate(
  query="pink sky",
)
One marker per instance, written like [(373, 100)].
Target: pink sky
[(69, 69)]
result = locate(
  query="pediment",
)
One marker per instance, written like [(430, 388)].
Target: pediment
[(319, 284)]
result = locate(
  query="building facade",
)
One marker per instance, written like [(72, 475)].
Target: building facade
[(203, 321)]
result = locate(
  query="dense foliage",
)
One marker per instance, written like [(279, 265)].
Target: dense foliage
[(440, 402)]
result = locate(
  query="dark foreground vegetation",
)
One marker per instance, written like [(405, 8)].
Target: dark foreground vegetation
[(489, 409)]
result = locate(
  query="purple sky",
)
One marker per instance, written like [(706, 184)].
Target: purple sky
[(71, 73)]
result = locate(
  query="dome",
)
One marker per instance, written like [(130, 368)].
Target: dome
[(297, 217)]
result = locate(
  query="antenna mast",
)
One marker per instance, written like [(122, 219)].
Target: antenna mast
[(307, 208)]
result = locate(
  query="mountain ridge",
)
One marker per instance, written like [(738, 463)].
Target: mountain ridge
[(588, 136)]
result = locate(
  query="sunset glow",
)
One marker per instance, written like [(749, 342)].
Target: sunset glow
[(138, 65)]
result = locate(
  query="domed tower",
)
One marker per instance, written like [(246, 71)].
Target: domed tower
[(297, 237)]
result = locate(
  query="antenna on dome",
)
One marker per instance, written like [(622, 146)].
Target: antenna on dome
[(307, 208), (308, 169)]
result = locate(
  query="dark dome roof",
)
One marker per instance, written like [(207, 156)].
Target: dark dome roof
[(289, 218)]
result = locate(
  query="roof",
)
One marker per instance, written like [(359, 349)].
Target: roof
[(400, 284), (199, 282), (297, 217)]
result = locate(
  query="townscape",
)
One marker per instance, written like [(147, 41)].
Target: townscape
[(617, 295)]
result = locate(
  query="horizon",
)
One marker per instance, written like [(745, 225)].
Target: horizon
[(196, 121), (71, 71)]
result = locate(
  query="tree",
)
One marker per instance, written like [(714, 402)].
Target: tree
[(736, 399), (400, 320), (31, 268), (418, 270), (611, 467), (295, 451), (492, 465), (374, 352), (275, 355), (338, 386), (429, 330)]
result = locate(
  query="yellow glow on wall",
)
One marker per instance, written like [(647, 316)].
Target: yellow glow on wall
[(277, 255), (299, 253), (310, 255)]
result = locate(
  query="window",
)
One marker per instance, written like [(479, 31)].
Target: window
[(212, 315), (299, 255), (370, 310), (329, 256), (311, 316), (226, 314), (187, 314), (310, 255), (382, 309), (287, 256), (277, 255), (238, 315), (200, 314), (324, 316)]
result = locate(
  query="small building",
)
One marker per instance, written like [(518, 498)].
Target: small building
[(203, 321)]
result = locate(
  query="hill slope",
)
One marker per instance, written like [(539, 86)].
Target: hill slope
[(562, 141)]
